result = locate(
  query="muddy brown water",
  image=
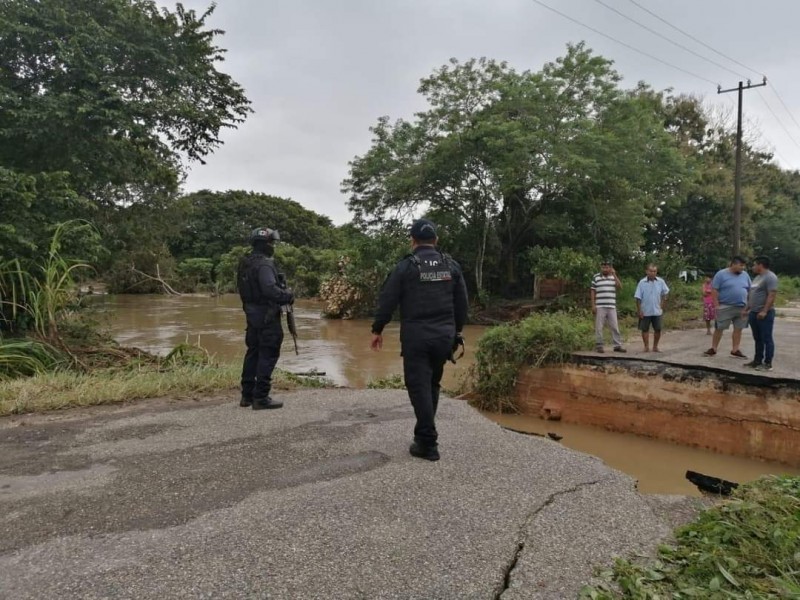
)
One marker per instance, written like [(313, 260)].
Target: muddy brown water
[(341, 349), (338, 348)]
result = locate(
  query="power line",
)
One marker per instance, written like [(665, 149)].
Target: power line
[(670, 40), (774, 114), (691, 37), (613, 39), (791, 116), (701, 42)]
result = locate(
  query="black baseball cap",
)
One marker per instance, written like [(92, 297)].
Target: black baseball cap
[(423, 230), (607, 261)]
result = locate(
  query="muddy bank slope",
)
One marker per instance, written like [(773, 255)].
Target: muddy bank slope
[(317, 500)]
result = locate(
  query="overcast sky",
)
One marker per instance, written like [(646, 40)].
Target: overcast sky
[(320, 72)]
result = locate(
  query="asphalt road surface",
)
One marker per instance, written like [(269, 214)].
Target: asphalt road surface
[(203, 499)]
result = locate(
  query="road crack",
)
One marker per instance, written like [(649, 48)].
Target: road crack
[(525, 528)]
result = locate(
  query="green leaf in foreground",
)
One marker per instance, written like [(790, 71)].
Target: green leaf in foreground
[(743, 548)]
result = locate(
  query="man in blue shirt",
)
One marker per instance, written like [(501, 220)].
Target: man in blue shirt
[(729, 290), (650, 296)]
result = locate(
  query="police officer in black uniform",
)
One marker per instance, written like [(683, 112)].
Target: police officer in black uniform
[(429, 288), (262, 298)]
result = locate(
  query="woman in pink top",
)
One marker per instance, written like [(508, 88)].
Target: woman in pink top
[(709, 312)]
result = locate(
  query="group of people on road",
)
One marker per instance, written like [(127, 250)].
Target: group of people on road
[(651, 293), (738, 301), (730, 298)]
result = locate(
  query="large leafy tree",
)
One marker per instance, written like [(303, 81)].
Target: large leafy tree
[(508, 160), (101, 104), (113, 92)]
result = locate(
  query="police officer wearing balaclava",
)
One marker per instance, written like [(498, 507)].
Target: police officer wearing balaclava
[(429, 288), (262, 298)]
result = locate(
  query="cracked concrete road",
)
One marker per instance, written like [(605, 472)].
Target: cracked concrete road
[(320, 499)]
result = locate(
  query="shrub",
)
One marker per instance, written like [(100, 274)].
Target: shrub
[(226, 268), (194, 273), (353, 290), (538, 340), (789, 288), (562, 263), (305, 268)]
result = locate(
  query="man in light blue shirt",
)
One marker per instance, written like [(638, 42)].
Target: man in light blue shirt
[(650, 296), (729, 290)]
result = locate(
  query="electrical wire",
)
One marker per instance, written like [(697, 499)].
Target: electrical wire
[(778, 96), (668, 39), (774, 114), (691, 37), (723, 55), (635, 49)]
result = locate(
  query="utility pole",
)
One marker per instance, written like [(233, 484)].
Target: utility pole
[(737, 185)]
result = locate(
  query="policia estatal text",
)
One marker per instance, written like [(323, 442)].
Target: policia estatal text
[(429, 288), (262, 297)]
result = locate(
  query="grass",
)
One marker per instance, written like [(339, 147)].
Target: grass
[(788, 290), (21, 357), (394, 381), (745, 548), (67, 389)]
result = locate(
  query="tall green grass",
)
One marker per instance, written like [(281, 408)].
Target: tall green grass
[(41, 293), (23, 357)]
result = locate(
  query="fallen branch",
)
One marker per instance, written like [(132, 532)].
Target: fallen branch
[(168, 289)]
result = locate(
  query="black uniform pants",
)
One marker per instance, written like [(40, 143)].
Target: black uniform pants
[(263, 350), (423, 365)]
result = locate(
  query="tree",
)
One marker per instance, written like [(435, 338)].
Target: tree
[(103, 101), (112, 92), (508, 160), (214, 222)]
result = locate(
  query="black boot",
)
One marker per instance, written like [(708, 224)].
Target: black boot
[(246, 401), (424, 451), (262, 403)]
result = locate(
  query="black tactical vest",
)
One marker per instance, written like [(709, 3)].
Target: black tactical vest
[(429, 288), (247, 278)]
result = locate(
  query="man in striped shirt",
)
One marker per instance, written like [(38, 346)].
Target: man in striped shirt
[(604, 305)]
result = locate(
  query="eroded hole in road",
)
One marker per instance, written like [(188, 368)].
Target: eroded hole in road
[(655, 422)]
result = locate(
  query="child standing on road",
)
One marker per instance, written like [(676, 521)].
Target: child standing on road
[(709, 313)]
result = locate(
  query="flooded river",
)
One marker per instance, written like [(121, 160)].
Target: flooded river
[(338, 348), (341, 350)]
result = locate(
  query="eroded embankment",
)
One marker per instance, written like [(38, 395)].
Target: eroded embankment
[(734, 413)]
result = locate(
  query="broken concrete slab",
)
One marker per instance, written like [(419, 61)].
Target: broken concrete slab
[(318, 500)]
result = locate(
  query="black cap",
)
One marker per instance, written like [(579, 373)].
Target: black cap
[(607, 261), (423, 230)]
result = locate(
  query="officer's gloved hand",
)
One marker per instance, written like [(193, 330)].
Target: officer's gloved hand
[(289, 297), (457, 341)]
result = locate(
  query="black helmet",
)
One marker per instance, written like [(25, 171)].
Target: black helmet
[(264, 234)]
